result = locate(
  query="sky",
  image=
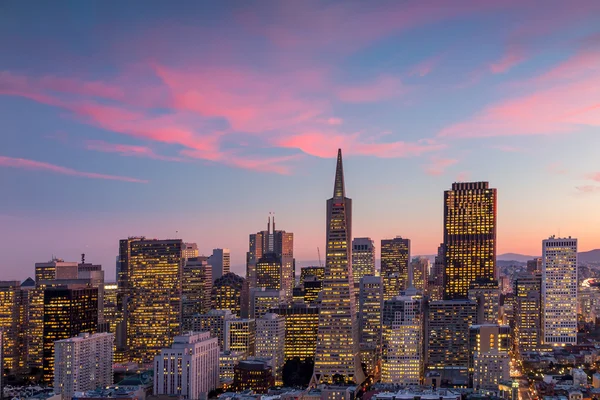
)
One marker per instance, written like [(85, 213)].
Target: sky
[(195, 120)]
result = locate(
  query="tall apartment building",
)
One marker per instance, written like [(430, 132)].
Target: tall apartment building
[(154, 289), (196, 288), (220, 260), (262, 300), (470, 210), (68, 311), (448, 333), (281, 245), (301, 325), (419, 274), (230, 292), (82, 363), (395, 257), (11, 324), (270, 343), (214, 322), (486, 294), (188, 369), (402, 348), (559, 290), (370, 300), (337, 352), (363, 258), (240, 335)]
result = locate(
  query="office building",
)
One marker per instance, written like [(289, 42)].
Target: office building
[(317, 272), (189, 369), (338, 342), (11, 324), (269, 273), (402, 347), (435, 288), (154, 287), (262, 300), (363, 258), (253, 375), (528, 312), (588, 302), (312, 289), (486, 338), (214, 322), (240, 335), (301, 325), (559, 290), (490, 369), (83, 363), (419, 274), (270, 343), (196, 288), (189, 250), (281, 246), (220, 260), (32, 301), (487, 296), (470, 210), (369, 319), (229, 292), (534, 266), (395, 256), (94, 274), (56, 269), (227, 362), (448, 333), (68, 311), (1, 363)]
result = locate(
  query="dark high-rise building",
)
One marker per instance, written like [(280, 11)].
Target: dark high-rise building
[(337, 351), (220, 260), (469, 236), (255, 375), (534, 266), (528, 312), (317, 272), (154, 286), (68, 311), (281, 243), (196, 289), (435, 288), (229, 292), (269, 272), (395, 256), (370, 300), (301, 325), (11, 324)]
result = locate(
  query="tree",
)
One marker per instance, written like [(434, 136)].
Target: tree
[(297, 373)]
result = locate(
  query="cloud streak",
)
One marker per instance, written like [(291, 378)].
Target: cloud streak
[(32, 165)]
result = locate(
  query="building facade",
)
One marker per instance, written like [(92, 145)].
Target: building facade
[(270, 343), (253, 375), (419, 274), (363, 258), (337, 350), (189, 368), (470, 210), (229, 292), (395, 257), (486, 294), (214, 322), (240, 335), (196, 288), (220, 260), (301, 326), (262, 300), (12, 326), (528, 312), (83, 363), (559, 290)]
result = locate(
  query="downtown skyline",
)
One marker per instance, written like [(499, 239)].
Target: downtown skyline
[(102, 141)]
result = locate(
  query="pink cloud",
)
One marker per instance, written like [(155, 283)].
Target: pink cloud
[(594, 176), (588, 189), (426, 66), (383, 88), (335, 121), (33, 165), (463, 176), (556, 168), (127, 150), (513, 56), (439, 165)]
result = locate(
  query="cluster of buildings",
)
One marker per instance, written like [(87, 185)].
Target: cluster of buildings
[(418, 323)]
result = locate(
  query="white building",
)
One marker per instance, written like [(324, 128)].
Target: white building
[(83, 363), (240, 335), (489, 369), (190, 367), (221, 263), (270, 334), (190, 250), (227, 362), (262, 300), (213, 322), (559, 290), (402, 359)]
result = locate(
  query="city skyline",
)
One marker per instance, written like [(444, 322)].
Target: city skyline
[(123, 124)]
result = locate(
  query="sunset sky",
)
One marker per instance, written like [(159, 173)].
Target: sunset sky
[(196, 119)]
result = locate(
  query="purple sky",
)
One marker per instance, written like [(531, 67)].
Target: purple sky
[(144, 118)]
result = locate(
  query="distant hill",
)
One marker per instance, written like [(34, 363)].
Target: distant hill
[(592, 256), (515, 257)]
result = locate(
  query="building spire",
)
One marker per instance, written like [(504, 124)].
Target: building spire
[(339, 190)]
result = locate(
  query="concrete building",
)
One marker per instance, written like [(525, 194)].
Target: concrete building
[(370, 300), (270, 343), (253, 375), (213, 322), (486, 294), (262, 300), (395, 257), (83, 363), (190, 250), (559, 290), (227, 362), (189, 368), (363, 258), (490, 368), (220, 260), (240, 335)]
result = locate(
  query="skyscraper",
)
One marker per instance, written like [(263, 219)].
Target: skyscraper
[(395, 256), (435, 288), (528, 311), (214, 322), (301, 325), (196, 289), (402, 358), (189, 368), (469, 236), (270, 331), (419, 274), (261, 301), (486, 294), (240, 335), (281, 243), (363, 258), (11, 324), (559, 290), (370, 301), (190, 250), (269, 272), (228, 293), (82, 363), (68, 311), (220, 260), (317, 272), (337, 351), (154, 297)]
